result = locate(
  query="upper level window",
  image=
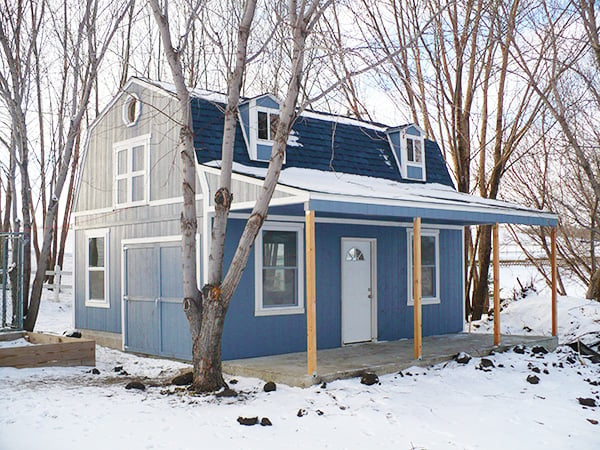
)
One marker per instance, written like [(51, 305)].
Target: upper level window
[(131, 171), (414, 150), (131, 110), (408, 147), (430, 267), (259, 118), (267, 125), (279, 270)]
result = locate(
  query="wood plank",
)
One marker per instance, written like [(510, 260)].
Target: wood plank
[(496, 255), (311, 295), (554, 281), (418, 313), (49, 350)]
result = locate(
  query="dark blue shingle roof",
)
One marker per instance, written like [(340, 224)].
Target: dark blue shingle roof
[(325, 145)]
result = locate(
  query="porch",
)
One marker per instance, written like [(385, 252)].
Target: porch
[(378, 357)]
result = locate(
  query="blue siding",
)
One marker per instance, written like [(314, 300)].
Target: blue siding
[(246, 335), (263, 152), (415, 173), (267, 102), (412, 130)]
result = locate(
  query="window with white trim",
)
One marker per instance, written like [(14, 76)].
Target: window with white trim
[(279, 269), (430, 267), (131, 172), (413, 153), (96, 275), (267, 123), (131, 110)]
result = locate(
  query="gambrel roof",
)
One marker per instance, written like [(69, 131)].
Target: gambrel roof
[(319, 141)]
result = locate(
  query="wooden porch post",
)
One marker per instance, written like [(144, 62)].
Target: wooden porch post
[(311, 295), (496, 249), (554, 279), (418, 326)]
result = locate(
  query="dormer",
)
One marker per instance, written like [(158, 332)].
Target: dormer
[(408, 146), (260, 117)]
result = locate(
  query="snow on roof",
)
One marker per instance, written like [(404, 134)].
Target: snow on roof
[(370, 189)]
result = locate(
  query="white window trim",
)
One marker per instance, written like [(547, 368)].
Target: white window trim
[(127, 146), (258, 270), (409, 283), (89, 234), (404, 150), (138, 110), (268, 111)]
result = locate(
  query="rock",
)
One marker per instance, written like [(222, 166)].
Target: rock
[(248, 421), (233, 381), (265, 422), (546, 372), (538, 349), (72, 333), (587, 402), (270, 386), (123, 372), (117, 368), (95, 371), (226, 393), (301, 412), (319, 412), (486, 365), (135, 385), (527, 329), (533, 379), (323, 385), (369, 379), (520, 349), (592, 421), (462, 358), (184, 379)]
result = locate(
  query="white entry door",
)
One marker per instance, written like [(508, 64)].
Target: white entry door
[(357, 290)]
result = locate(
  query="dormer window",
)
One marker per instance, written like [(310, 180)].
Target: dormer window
[(260, 118), (267, 125), (408, 146), (414, 150)]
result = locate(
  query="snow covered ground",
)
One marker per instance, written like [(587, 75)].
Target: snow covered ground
[(446, 406)]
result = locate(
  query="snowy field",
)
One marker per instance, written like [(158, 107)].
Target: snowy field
[(448, 406)]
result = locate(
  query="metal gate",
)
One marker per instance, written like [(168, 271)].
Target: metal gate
[(154, 320), (11, 276)]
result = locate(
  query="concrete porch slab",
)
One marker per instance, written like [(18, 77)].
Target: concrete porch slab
[(379, 357)]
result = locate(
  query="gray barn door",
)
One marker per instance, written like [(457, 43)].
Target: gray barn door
[(356, 290), (154, 319)]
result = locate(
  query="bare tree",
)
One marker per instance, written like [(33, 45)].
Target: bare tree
[(206, 310), (90, 44)]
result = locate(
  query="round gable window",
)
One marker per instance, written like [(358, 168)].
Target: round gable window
[(131, 110)]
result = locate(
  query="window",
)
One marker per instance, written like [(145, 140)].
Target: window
[(131, 110), (430, 267), (96, 280), (267, 125), (131, 172), (279, 270), (354, 254), (414, 150)]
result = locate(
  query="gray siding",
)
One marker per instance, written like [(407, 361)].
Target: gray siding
[(242, 192), (109, 319), (96, 187)]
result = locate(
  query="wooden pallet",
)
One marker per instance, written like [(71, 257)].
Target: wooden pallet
[(48, 350)]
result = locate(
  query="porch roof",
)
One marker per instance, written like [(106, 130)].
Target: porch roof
[(333, 194)]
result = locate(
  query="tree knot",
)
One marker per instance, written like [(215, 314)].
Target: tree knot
[(223, 198)]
